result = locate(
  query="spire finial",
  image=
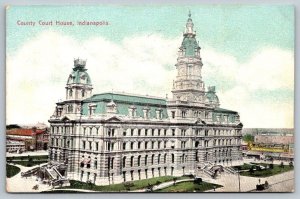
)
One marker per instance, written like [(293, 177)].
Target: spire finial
[(190, 13)]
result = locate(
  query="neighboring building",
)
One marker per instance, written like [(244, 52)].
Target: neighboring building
[(15, 146), (115, 137), (33, 138), (273, 145)]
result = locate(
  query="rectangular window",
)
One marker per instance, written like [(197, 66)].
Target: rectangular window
[(83, 144), (97, 146), (173, 132), (173, 114)]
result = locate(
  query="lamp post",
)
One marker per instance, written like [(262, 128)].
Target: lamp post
[(239, 180)]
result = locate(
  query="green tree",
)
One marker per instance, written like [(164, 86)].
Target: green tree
[(248, 138), (281, 165)]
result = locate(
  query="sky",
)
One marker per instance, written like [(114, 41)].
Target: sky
[(247, 52)]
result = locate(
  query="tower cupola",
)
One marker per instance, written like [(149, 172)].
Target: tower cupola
[(79, 84)]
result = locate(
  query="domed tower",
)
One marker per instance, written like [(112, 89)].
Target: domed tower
[(211, 97), (79, 86), (188, 85)]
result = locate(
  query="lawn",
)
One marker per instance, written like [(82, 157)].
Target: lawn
[(28, 161), (277, 169), (61, 191), (189, 187), (242, 167), (11, 170), (36, 157), (134, 185)]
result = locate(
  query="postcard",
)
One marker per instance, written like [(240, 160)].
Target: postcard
[(149, 99)]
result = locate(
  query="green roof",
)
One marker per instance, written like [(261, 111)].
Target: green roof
[(224, 110), (124, 101), (190, 45), (79, 75), (131, 99)]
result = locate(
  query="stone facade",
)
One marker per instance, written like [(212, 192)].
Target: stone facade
[(116, 137)]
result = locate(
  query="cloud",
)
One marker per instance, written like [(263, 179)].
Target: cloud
[(143, 64), (246, 87)]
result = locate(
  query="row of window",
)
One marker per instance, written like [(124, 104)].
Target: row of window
[(111, 132), (91, 177), (146, 160)]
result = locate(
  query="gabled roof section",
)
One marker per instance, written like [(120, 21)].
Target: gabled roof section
[(114, 119)]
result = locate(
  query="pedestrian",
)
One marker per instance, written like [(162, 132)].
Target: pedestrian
[(259, 181)]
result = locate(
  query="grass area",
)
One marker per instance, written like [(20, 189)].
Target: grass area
[(134, 185), (36, 157), (277, 169), (62, 191), (189, 187), (242, 167), (28, 161), (12, 170)]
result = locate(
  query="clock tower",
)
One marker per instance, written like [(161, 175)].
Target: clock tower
[(188, 85)]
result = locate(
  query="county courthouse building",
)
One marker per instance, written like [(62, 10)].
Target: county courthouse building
[(115, 137)]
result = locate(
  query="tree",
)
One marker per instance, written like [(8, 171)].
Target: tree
[(248, 138), (281, 165), (251, 171), (271, 166), (291, 164), (174, 180)]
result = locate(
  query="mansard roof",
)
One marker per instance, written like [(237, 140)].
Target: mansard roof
[(124, 102), (127, 98), (225, 110)]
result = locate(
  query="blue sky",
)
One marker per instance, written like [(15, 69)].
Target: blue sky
[(248, 53)]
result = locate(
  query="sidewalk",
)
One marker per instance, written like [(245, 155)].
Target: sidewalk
[(230, 182), (31, 153), (19, 184)]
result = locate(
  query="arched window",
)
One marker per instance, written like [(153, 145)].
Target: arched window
[(139, 160), (70, 92), (124, 161), (173, 158), (152, 159), (112, 163), (131, 145), (82, 93), (95, 163), (158, 159), (131, 161), (124, 146), (146, 159), (139, 145), (146, 145), (70, 108)]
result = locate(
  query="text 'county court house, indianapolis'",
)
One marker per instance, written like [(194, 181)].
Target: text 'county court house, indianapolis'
[(116, 137)]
